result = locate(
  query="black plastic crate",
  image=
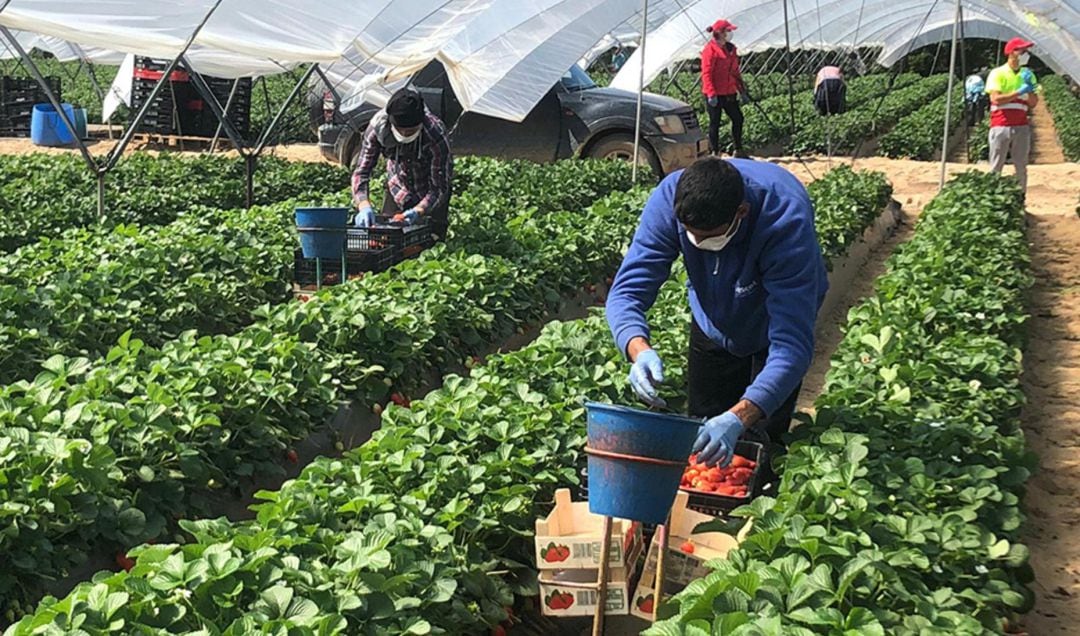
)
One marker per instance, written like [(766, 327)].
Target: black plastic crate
[(356, 263), (406, 239), (719, 505)]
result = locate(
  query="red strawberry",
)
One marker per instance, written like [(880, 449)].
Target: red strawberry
[(124, 561), (687, 547), (646, 604), (292, 456), (498, 630)]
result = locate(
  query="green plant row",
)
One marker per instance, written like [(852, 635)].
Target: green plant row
[(109, 452), (1065, 108), (424, 529), (50, 195), (899, 508), (979, 141), (918, 135), (210, 269), (769, 122), (848, 130)]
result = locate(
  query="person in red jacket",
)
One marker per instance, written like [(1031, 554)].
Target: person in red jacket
[(722, 83)]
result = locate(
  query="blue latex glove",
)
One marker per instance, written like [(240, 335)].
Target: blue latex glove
[(412, 217), (645, 375), (365, 217), (1027, 77), (1026, 89), (712, 101), (716, 439)]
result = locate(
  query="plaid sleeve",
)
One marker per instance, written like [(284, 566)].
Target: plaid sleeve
[(442, 165), (369, 155)]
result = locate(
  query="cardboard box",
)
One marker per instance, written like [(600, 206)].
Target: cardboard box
[(680, 567), (573, 592), (569, 538)]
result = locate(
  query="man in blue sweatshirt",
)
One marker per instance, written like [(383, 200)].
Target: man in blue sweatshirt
[(745, 230)]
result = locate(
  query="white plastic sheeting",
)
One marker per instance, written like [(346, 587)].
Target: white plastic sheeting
[(1054, 25), (251, 37), (502, 56)]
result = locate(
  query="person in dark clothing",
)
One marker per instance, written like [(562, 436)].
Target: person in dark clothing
[(745, 231), (722, 84), (419, 165), (830, 91)]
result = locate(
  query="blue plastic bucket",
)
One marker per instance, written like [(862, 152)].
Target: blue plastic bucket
[(47, 128), (636, 461), (322, 231)]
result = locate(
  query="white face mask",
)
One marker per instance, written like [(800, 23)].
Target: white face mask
[(1025, 58), (402, 139), (714, 243)]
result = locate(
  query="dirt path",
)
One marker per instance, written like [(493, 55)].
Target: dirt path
[(1045, 147), (1052, 423)]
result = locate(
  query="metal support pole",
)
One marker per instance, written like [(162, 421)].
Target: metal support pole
[(787, 59), (265, 139), (228, 107), (118, 151), (640, 93), (215, 106), (949, 95), (249, 178), (601, 584), (100, 174), (53, 99)]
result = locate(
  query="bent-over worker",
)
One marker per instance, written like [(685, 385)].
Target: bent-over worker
[(830, 91), (1012, 95), (419, 164), (745, 231)]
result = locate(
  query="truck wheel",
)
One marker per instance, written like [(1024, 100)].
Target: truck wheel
[(621, 146)]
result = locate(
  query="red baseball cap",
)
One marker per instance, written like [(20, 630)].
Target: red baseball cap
[(721, 25), (1017, 44)]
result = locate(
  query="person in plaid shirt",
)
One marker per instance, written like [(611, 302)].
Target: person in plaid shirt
[(418, 164)]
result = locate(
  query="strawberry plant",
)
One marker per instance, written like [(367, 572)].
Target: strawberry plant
[(918, 135), (50, 195), (1064, 105), (434, 514)]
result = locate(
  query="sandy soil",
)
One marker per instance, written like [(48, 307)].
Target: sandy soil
[(1052, 423), (292, 152)]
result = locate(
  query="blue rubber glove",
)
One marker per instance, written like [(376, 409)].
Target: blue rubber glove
[(412, 217), (645, 375), (712, 101), (365, 217), (1027, 77), (1025, 89), (716, 439)]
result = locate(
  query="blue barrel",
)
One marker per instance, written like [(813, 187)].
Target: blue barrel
[(322, 231), (47, 128), (636, 461), (80, 122)]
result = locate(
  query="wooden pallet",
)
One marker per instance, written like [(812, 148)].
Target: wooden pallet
[(178, 141)]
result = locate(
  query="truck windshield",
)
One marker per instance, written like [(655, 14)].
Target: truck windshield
[(577, 80)]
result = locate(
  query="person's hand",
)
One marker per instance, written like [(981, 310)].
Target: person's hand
[(645, 375), (1027, 77), (744, 97), (1026, 89), (716, 440), (410, 217), (365, 216), (713, 101)]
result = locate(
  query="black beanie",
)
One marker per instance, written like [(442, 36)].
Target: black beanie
[(405, 108)]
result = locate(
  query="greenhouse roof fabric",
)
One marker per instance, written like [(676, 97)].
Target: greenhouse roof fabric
[(502, 56), (895, 25)]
